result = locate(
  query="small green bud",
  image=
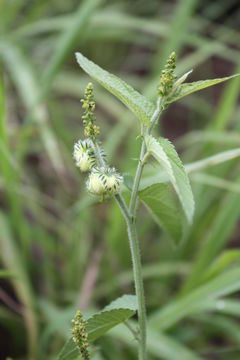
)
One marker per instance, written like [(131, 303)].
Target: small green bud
[(103, 181), (80, 336), (168, 76), (84, 156), (90, 129)]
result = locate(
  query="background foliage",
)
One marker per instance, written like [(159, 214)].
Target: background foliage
[(58, 252)]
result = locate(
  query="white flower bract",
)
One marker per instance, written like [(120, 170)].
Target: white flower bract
[(95, 184), (103, 181), (84, 156)]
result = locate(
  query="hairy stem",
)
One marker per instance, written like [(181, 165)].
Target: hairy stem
[(130, 218), (154, 119), (134, 244), (133, 201), (138, 280)]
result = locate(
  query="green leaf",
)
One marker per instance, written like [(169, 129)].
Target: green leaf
[(224, 284), (27, 85), (67, 39), (226, 104), (137, 103), (227, 259), (128, 302), (159, 202), (155, 177), (165, 154), (213, 160), (219, 232), (189, 88), (98, 324), (223, 306), (11, 258), (115, 313), (181, 79), (69, 351)]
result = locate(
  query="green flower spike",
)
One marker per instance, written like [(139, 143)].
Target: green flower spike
[(80, 336), (104, 181), (91, 130), (168, 76)]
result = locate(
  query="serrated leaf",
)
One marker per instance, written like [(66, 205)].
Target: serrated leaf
[(115, 313), (124, 302), (159, 202), (189, 88), (98, 324), (137, 103), (69, 351), (165, 154)]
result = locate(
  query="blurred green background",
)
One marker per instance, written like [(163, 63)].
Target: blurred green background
[(60, 249)]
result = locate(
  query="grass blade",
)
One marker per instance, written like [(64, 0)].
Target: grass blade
[(224, 284), (9, 255), (68, 38)]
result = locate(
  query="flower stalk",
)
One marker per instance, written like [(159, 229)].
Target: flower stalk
[(105, 180)]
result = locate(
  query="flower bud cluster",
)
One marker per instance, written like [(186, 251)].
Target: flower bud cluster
[(168, 76), (80, 336), (84, 156), (88, 155), (91, 130)]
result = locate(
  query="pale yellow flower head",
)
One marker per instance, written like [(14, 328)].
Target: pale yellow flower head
[(103, 181), (84, 156)]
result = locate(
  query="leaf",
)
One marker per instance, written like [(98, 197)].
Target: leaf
[(137, 103), (156, 177), (11, 258), (98, 324), (115, 313), (226, 104), (67, 38), (128, 302), (224, 284), (159, 202), (213, 160), (181, 79), (165, 154), (227, 259), (27, 85), (69, 351), (223, 306), (219, 232), (189, 88)]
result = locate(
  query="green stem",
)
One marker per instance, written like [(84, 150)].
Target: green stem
[(130, 217), (138, 280), (133, 201), (134, 244), (154, 119)]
